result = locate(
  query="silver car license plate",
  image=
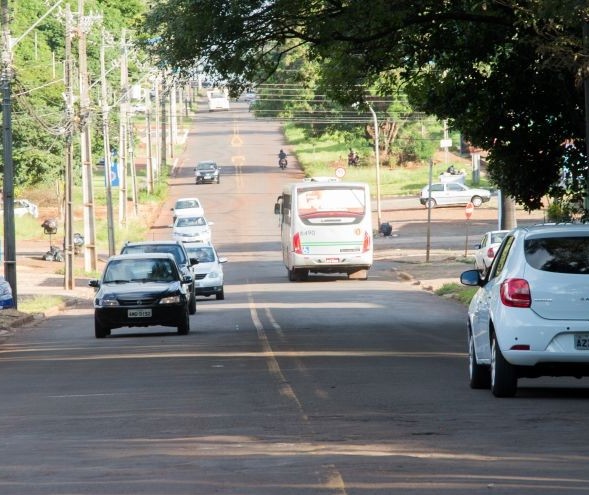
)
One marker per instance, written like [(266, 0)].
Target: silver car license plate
[(582, 341), (139, 313)]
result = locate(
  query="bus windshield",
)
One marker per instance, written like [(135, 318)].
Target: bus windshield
[(332, 203)]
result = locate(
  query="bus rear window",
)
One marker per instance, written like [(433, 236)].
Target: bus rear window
[(319, 203)]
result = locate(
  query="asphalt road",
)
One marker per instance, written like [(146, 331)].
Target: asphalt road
[(325, 387)]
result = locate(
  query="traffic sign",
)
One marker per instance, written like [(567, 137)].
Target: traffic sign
[(340, 172), (468, 210)]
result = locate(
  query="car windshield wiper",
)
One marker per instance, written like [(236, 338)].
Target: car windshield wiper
[(117, 281)]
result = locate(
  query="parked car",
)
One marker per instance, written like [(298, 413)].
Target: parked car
[(453, 194), (23, 207), (207, 171), (529, 315), (485, 250), (140, 290), (217, 101), (208, 273), (176, 249), (192, 229), (187, 207)]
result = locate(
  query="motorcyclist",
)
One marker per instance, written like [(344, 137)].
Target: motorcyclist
[(282, 159)]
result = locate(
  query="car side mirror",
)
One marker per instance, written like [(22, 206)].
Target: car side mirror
[(277, 209), (223, 260), (186, 279), (94, 283), (193, 261)]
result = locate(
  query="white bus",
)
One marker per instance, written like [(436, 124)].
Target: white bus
[(326, 227)]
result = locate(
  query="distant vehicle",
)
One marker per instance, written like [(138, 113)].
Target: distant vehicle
[(207, 171), (208, 273), (326, 228), (217, 101), (140, 290), (192, 229), (23, 207), (453, 194), (187, 207), (485, 250), (182, 258), (528, 317)]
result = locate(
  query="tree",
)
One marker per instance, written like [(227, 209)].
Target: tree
[(506, 73)]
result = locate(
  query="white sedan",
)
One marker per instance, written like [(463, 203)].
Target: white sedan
[(187, 207), (208, 272), (485, 250), (529, 316), (453, 194), (192, 229)]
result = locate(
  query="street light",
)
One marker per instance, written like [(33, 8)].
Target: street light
[(377, 157)]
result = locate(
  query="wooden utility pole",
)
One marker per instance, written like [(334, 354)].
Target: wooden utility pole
[(8, 185), (107, 154), (123, 133), (158, 157), (90, 259), (149, 162), (69, 280)]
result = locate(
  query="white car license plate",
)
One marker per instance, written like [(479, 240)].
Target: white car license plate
[(139, 313), (582, 341), (332, 260)]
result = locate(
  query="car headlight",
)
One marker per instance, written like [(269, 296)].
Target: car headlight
[(170, 300), (213, 275), (107, 302)]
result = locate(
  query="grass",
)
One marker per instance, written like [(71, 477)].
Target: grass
[(39, 303), (457, 291), (320, 157)]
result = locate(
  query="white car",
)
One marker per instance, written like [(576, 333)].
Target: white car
[(23, 207), (192, 229), (217, 101), (453, 194), (208, 273), (529, 316), (485, 250), (187, 207)]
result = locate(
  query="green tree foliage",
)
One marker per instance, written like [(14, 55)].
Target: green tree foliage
[(506, 73), (38, 105)]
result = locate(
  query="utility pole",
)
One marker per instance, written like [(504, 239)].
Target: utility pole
[(164, 123), (131, 141), (123, 134), (68, 281), (8, 186), (173, 118), (90, 260), (158, 158), (107, 155), (149, 163)]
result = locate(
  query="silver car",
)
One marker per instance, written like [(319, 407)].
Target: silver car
[(453, 194)]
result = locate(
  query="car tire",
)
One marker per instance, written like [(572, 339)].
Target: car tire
[(476, 201), (479, 376), (184, 323), (220, 295), (218, 180), (100, 331), (503, 374), (291, 275), (192, 303), (430, 203)]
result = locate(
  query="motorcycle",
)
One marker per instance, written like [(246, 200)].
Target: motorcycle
[(54, 254), (282, 163)]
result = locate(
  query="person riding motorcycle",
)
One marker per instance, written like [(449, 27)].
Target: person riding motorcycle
[(282, 159)]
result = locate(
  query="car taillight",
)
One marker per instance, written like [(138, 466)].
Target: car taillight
[(515, 293), (366, 243), (296, 244), (490, 253)]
